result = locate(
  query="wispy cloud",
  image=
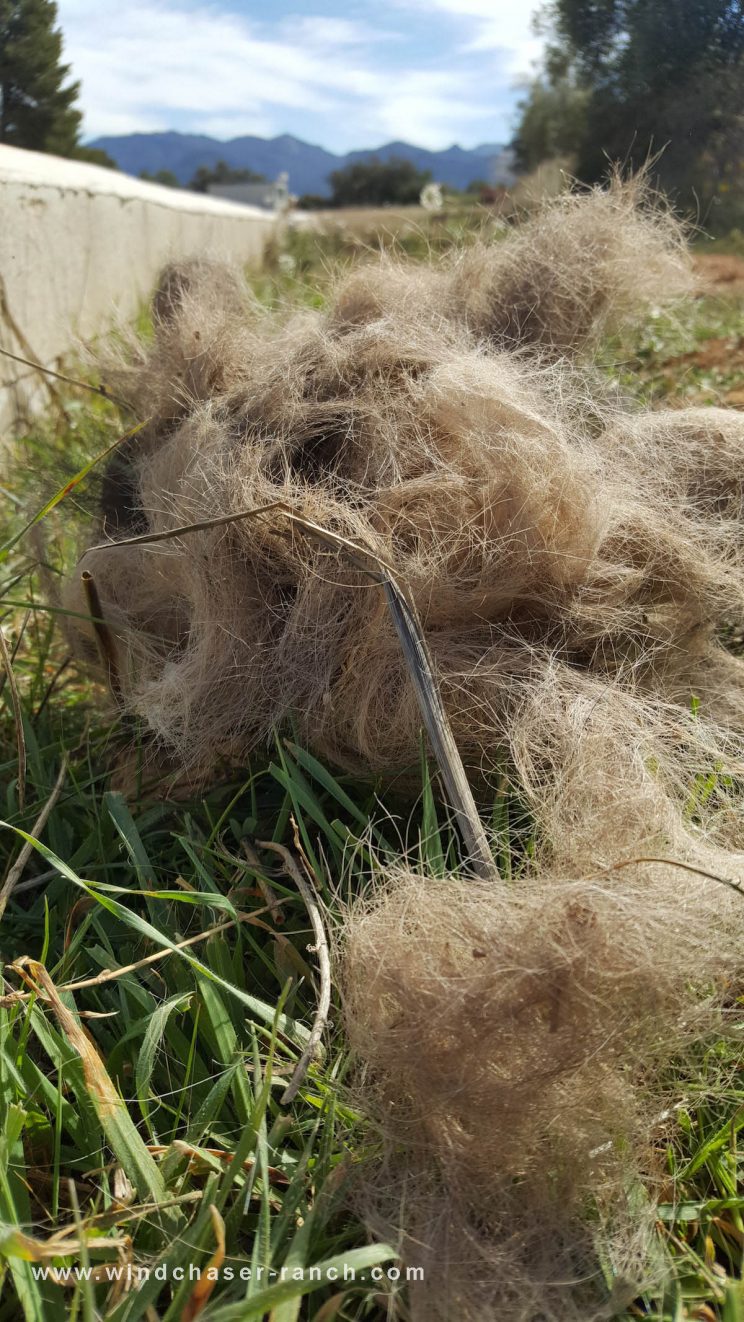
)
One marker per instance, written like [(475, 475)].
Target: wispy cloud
[(227, 71), (502, 27)]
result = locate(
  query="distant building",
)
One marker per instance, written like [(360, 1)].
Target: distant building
[(267, 195)]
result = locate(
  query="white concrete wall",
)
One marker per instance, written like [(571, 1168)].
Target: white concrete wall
[(80, 248)]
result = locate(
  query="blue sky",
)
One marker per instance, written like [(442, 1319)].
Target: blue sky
[(348, 75)]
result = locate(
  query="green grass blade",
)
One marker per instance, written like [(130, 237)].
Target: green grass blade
[(66, 489), (329, 1272), (257, 1007), (148, 1051)]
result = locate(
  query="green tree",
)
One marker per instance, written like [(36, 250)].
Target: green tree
[(633, 80), (375, 183), (552, 123), (95, 156), (222, 173), (165, 177), (37, 101), (313, 202)]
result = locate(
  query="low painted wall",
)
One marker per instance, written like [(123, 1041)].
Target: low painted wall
[(80, 248)]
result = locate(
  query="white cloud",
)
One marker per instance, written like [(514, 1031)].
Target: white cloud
[(151, 66), (502, 26), (423, 107), (340, 32), (148, 60)]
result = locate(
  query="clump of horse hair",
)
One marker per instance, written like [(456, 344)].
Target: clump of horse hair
[(569, 595), (580, 268), (576, 273), (514, 1046), (572, 564), (585, 265)]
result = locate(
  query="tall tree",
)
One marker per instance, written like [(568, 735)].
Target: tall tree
[(37, 101), (654, 76)]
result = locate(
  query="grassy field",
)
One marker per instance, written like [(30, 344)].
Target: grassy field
[(158, 984)]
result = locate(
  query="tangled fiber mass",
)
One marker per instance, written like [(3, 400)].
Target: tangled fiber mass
[(572, 563)]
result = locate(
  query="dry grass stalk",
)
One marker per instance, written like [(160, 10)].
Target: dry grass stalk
[(15, 872), (321, 949), (9, 674)]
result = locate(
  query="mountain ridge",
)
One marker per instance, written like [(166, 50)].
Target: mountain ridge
[(307, 164)]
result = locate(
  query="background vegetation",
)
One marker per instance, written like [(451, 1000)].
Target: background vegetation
[(627, 81), (640, 80)]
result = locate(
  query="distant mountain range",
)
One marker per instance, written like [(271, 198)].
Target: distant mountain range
[(308, 167)]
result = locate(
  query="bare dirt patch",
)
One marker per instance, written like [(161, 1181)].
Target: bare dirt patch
[(720, 363), (720, 272), (725, 352)]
